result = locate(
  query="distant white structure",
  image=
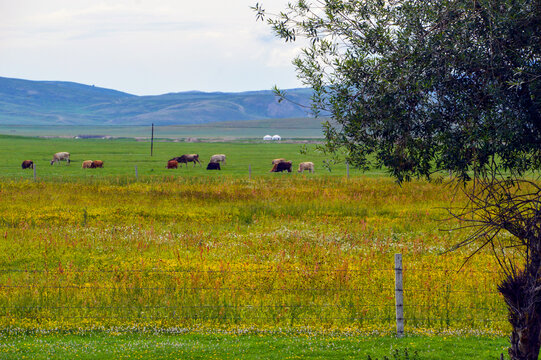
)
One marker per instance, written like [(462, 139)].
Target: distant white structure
[(277, 137), (267, 137)]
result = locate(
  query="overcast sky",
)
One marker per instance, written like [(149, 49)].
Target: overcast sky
[(145, 47)]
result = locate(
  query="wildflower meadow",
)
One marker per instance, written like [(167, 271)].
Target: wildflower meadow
[(178, 252)]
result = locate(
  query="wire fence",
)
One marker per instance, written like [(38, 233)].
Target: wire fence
[(344, 297)]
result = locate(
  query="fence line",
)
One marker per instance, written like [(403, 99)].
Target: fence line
[(193, 303), (312, 270)]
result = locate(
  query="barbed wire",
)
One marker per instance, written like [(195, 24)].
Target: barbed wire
[(93, 287), (427, 306), (313, 270), (56, 278), (298, 318)]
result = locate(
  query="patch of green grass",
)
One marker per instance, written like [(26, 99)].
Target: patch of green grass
[(99, 345)]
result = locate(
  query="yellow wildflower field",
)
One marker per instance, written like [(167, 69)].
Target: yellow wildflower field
[(237, 253)]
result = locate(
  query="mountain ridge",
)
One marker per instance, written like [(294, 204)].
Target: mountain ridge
[(31, 102)]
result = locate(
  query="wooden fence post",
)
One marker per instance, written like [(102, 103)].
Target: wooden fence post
[(34, 167), (250, 172), (347, 169), (136, 175), (399, 295)]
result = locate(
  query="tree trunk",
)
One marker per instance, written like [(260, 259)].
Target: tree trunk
[(522, 293), (525, 340)]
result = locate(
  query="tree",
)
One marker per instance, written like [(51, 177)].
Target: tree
[(424, 86)]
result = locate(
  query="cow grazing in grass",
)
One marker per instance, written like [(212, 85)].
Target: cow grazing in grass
[(217, 158), (282, 166), (213, 166), (172, 164), (306, 166), (277, 161), (87, 164), (61, 156), (27, 164), (186, 158), (97, 164)]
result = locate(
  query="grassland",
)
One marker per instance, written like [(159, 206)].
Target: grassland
[(192, 251), (246, 346), (122, 155)]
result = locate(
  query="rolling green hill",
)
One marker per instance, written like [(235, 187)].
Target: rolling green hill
[(24, 102)]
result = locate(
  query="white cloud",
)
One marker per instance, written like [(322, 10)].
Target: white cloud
[(146, 46)]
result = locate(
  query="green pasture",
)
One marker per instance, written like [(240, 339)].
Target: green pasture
[(121, 156), (99, 345)]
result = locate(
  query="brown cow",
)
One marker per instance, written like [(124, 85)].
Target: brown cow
[(27, 164), (186, 158), (282, 166), (97, 164), (87, 164), (172, 164)]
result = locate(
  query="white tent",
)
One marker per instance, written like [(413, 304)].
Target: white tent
[(267, 137), (276, 137)]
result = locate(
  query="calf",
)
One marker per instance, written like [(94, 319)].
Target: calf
[(172, 164), (27, 164)]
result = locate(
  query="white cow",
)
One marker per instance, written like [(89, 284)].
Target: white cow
[(61, 156), (217, 158), (306, 166)]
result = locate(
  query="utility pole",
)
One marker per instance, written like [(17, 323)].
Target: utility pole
[(152, 140)]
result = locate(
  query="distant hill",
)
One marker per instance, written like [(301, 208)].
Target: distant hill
[(25, 102)]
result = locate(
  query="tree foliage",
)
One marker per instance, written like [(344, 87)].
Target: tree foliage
[(421, 86)]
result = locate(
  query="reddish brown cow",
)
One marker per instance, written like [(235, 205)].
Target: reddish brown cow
[(97, 164), (172, 164), (27, 164)]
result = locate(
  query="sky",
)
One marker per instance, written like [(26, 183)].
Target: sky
[(146, 47)]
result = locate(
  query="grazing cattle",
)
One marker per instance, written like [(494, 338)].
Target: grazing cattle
[(27, 164), (213, 166), (87, 164), (186, 158), (277, 161), (306, 166), (59, 156), (282, 166), (217, 158), (97, 164), (172, 164)]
